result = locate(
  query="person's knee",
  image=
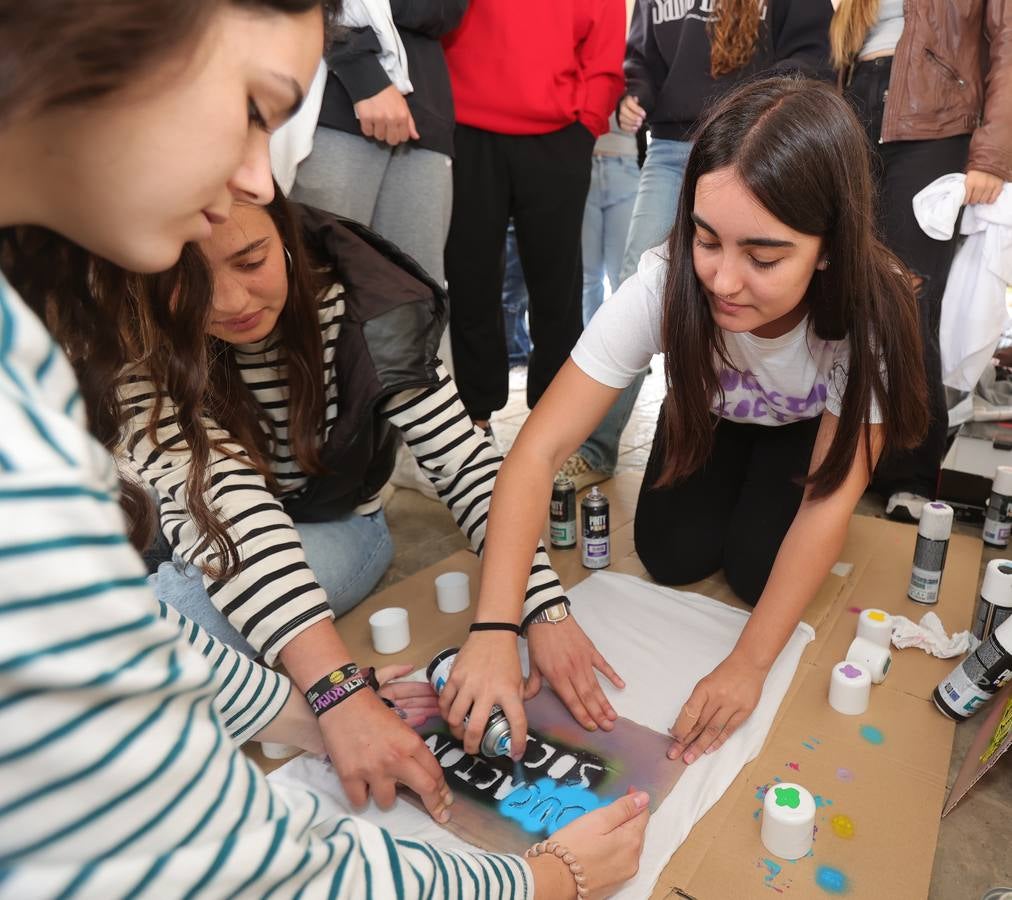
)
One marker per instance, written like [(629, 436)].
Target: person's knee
[(673, 561), (747, 574)]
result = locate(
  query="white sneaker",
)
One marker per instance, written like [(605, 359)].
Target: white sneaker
[(905, 507), (408, 474), (518, 378)]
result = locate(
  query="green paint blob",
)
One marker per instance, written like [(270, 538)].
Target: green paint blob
[(872, 735), (788, 797), (832, 881)]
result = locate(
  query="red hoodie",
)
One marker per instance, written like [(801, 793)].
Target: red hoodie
[(534, 66)]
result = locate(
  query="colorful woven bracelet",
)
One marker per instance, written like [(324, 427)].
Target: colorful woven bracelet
[(335, 687)]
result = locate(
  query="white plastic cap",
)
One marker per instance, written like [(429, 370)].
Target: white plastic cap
[(936, 521), (1002, 483), (788, 820), (997, 585)]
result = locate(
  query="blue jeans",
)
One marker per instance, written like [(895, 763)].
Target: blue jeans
[(652, 218), (514, 304), (348, 556), (606, 218)]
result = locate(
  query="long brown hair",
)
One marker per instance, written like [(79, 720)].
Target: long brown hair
[(797, 146), (734, 32), (154, 327), (849, 28), (57, 53)]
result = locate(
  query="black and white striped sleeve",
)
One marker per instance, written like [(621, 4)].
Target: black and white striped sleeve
[(462, 466), (275, 595)]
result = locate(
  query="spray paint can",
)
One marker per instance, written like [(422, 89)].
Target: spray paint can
[(978, 677), (930, 551), (596, 530), (997, 521), (496, 739), (995, 604), (562, 529)]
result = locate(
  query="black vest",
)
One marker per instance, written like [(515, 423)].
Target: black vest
[(388, 342)]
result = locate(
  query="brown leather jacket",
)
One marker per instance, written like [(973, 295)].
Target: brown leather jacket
[(952, 74)]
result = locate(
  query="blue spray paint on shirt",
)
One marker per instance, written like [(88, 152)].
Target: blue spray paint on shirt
[(544, 807)]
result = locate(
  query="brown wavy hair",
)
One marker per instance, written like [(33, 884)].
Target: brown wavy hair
[(57, 53), (849, 28), (734, 33), (797, 146), (155, 327)]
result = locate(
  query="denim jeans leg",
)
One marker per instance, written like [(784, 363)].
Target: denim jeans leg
[(653, 215), (592, 242), (621, 179)]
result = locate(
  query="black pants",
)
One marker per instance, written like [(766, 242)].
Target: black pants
[(902, 168), (542, 182), (733, 513)]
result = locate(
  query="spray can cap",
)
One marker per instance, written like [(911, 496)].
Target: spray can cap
[(997, 585), (1002, 483), (936, 521)]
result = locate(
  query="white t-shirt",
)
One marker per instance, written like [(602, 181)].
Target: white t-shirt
[(775, 381)]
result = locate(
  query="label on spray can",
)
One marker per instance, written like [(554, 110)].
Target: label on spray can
[(977, 678), (997, 524), (562, 514), (596, 530), (926, 575), (989, 617)]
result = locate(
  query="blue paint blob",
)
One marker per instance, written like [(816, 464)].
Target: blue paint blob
[(832, 881), (872, 735), (821, 801), (806, 745), (772, 868), (544, 807)]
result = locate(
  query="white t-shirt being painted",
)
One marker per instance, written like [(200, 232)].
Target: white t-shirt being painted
[(774, 381)]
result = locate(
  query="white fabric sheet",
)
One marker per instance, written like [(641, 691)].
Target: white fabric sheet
[(661, 641)]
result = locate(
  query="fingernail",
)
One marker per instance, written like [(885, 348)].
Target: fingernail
[(672, 754), (444, 816), (690, 758), (710, 749), (448, 797), (641, 799)]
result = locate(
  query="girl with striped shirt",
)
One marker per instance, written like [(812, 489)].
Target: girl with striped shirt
[(120, 721)]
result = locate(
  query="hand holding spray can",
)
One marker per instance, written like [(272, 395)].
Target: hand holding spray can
[(596, 530), (496, 739)]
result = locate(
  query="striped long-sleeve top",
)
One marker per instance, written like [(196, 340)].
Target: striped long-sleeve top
[(275, 595), (120, 772)]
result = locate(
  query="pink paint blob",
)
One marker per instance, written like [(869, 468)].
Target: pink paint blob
[(844, 774), (794, 766), (850, 671), (856, 610)]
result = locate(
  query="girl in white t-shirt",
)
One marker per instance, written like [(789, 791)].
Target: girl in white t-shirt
[(792, 359)]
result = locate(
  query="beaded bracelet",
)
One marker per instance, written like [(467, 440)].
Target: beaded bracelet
[(569, 859)]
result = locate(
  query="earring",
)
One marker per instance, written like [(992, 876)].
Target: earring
[(288, 259), (824, 263)]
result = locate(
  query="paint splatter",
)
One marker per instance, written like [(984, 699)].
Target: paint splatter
[(772, 870), (795, 766), (845, 774), (814, 740), (788, 797), (843, 826), (831, 880), (856, 610), (821, 801), (545, 806), (872, 734), (806, 745), (850, 671), (877, 615)]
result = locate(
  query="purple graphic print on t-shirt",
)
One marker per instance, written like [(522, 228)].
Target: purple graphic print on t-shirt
[(745, 399)]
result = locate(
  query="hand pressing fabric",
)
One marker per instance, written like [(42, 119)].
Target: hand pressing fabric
[(567, 658), (719, 703)]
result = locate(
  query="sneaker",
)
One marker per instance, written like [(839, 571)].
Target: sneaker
[(408, 474), (581, 472), (905, 507), (518, 378)]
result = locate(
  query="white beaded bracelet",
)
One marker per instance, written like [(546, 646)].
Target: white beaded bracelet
[(569, 859)]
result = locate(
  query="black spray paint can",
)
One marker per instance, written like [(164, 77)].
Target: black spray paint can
[(496, 739), (932, 546), (562, 513), (995, 604), (978, 677), (596, 516), (997, 521)]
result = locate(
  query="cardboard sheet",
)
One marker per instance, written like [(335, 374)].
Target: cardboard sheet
[(891, 793)]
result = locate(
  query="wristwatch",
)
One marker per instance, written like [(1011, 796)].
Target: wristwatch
[(557, 612)]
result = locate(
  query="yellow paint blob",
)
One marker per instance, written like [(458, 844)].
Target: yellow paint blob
[(843, 827), (877, 616)]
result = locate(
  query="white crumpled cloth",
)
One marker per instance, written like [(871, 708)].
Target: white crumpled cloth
[(930, 636)]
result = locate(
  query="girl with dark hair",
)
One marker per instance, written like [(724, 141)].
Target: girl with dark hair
[(680, 59), (929, 80), (120, 721), (789, 336)]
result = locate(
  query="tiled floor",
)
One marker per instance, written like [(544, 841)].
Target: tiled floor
[(975, 843)]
